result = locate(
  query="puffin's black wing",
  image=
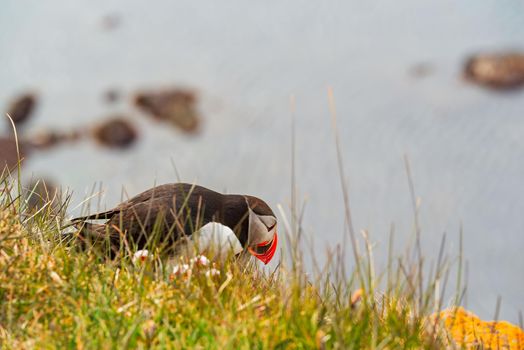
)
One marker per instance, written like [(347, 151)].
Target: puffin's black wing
[(138, 224), (177, 208), (169, 211), (172, 190), (167, 190)]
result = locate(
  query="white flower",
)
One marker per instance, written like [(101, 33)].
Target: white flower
[(140, 255), (200, 260), (181, 269), (212, 272)]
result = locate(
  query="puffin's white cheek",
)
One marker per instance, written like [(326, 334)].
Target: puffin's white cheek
[(257, 230)]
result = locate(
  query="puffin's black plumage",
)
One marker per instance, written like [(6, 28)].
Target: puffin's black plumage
[(171, 211)]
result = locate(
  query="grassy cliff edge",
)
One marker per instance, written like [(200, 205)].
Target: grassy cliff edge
[(54, 296)]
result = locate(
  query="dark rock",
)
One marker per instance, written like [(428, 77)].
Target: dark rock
[(421, 70), (111, 21), (502, 71), (111, 96), (50, 138), (115, 133), (21, 108), (9, 155), (45, 139), (175, 106), (41, 192)]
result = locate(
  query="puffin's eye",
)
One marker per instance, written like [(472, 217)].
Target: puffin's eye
[(272, 227), (268, 221)]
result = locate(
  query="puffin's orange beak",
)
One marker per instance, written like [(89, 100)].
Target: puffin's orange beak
[(264, 251)]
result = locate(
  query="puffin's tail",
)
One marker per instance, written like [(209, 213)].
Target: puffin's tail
[(98, 216), (90, 231), (94, 236), (85, 235)]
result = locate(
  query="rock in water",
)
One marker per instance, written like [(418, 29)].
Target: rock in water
[(503, 71), (21, 108), (117, 132), (112, 96), (8, 153), (111, 21), (47, 139), (175, 106), (41, 192), (421, 70)]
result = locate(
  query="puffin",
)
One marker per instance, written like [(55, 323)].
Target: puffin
[(174, 213)]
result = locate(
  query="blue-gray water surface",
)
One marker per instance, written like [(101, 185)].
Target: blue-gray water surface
[(246, 59)]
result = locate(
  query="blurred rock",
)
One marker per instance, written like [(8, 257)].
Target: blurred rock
[(111, 21), (21, 108), (175, 106), (117, 132), (51, 138), (502, 71), (111, 96), (40, 192), (8, 153), (421, 70)]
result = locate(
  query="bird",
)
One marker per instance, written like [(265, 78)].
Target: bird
[(176, 212)]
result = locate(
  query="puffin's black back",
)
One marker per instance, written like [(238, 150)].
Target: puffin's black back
[(170, 211)]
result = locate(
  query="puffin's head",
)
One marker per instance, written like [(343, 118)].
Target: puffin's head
[(262, 233)]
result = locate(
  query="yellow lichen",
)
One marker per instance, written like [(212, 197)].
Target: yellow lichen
[(469, 331)]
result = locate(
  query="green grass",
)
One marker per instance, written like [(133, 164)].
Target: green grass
[(55, 296)]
